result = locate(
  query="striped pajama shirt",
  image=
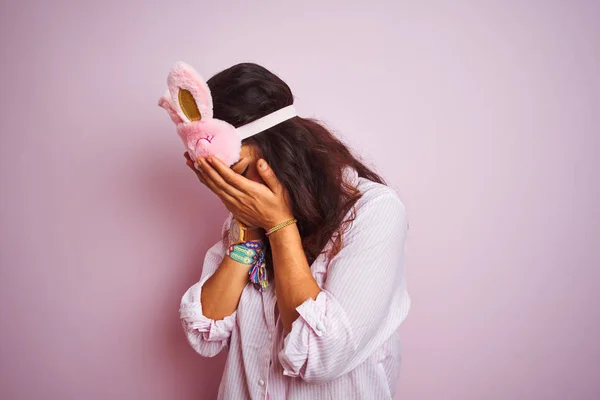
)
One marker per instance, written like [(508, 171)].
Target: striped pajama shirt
[(345, 344)]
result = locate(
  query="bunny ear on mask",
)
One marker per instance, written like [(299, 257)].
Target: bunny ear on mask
[(190, 95), (166, 103)]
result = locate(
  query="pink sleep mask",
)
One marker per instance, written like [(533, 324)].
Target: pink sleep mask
[(189, 103)]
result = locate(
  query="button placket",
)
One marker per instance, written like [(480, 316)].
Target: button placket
[(269, 303)]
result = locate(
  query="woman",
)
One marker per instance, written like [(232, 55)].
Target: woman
[(320, 319)]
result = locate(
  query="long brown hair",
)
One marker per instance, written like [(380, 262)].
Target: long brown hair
[(306, 157)]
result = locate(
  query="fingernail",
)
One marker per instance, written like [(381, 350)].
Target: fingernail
[(210, 160), (262, 164)]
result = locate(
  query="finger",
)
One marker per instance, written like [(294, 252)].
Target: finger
[(209, 182), (227, 199), (268, 175), (230, 176), (191, 164), (194, 166), (212, 174), (198, 173), (188, 156)]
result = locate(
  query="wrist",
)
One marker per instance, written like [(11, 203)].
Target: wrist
[(282, 228), (241, 232), (285, 238), (255, 234), (276, 220)]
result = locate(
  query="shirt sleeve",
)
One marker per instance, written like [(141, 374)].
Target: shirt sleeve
[(363, 299), (206, 336)]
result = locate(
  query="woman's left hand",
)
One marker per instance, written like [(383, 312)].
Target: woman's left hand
[(251, 202)]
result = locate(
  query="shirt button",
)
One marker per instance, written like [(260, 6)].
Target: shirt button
[(261, 382), (320, 326), (270, 336)]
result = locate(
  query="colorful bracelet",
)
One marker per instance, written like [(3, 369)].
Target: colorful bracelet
[(251, 253), (242, 254)]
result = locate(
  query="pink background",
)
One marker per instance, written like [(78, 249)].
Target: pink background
[(485, 118)]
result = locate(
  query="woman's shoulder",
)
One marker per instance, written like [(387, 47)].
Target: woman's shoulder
[(374, 191), (377, 210), (370, 191), (373, 194)]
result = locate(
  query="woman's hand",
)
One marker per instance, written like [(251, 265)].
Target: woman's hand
[(251, 203)]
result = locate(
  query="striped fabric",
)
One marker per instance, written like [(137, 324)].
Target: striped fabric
[(345, 344)]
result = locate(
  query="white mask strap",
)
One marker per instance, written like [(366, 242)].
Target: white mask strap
[(266, 122)]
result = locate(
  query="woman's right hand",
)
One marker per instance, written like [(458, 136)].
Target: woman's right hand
[(254, 234)]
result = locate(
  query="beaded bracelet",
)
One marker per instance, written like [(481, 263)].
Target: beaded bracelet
[(251, 253), (242, 254)]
